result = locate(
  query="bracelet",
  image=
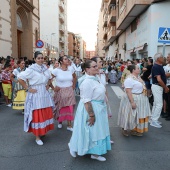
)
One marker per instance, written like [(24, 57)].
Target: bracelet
[(92, 116)]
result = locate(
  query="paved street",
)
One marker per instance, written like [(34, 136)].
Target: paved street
[(18, 150)]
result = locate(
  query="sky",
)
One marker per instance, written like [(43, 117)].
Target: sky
[(83, 18)]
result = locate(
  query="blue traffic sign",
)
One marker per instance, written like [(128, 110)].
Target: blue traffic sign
[(164, 35), (39, 43)]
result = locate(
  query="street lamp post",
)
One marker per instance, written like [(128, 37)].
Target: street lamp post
[(51, 42)]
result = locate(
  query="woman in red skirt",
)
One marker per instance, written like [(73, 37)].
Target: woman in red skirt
[(38, 114), (64, 97)]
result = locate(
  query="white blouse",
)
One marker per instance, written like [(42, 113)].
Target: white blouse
[(15, 72), (92, 90), (35, 77), (63, 78), (135, 85), (102, 77)]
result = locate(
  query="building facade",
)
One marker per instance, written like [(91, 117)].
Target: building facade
[(19, 27), (76, 45), (53, 26), (131, 28), (84, 49), (90, 54)]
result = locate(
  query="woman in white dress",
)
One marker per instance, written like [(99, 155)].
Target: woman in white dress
[(134, 108), (64, 97), (91, 133), (38, 114)]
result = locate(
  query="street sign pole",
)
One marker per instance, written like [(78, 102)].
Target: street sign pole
[(164, 45)]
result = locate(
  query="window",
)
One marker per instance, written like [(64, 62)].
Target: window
[(36, 35), (19, 22), (134, 25)]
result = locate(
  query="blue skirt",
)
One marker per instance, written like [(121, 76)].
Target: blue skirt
[(91, 139)]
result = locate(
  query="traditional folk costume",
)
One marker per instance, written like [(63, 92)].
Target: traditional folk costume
[(64, 99), (91, 139), (38, 114), (134, 119), (19, 93)]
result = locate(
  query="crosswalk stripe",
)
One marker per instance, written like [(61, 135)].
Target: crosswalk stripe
[(118, 91)]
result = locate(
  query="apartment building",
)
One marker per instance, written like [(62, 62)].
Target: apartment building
[(84, 49), (63, 35), (100, 41), (131, 27), (90, 54), (19, 27), (76, 45), (53, 26)]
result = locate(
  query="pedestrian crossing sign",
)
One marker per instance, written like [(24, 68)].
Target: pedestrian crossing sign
[(164, 35)]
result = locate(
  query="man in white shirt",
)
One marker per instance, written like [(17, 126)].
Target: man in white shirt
[(167, 72)]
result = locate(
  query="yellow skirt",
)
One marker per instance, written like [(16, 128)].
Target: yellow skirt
[(18, 103)]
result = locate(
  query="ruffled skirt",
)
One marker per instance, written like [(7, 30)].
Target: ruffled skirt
[(42, 121), (134, 119), (91, 139), (64, 101), (19, 100)]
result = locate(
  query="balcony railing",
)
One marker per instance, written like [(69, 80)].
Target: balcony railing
[(111, 2), (62, 28), (61, 40), (105, 33), (61, 6), (130, 10), (112, 15), (61, 17), (105, 21), (112, 33)]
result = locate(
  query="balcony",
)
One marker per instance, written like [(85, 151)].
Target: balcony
[(61, 18), (61, 40), (75, 48), (111, 2), (61, 28), (112, 15), (105, 33), (105, 21), (61, 6), (129, 11), (106, 45), (112, 34), (74, 41)]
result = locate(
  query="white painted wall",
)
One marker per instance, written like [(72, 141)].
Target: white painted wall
[(160, 17), (156, 16), (140, 36), (111, 52)]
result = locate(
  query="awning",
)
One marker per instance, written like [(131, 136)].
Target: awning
[(132, 50), (141, 48)]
